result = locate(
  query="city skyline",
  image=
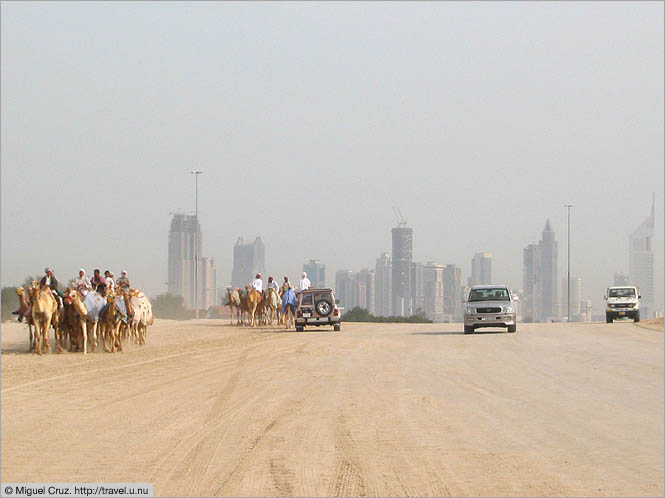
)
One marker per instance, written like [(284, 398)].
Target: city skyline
[(476, 158)]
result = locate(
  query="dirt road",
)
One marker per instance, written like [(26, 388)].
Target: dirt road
[(374, 410)]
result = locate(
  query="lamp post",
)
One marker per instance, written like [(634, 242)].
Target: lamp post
[(568, 206), (196, 244)]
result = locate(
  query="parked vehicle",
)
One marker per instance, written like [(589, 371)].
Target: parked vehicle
[(317, 307), (622, 302), (490, 306)]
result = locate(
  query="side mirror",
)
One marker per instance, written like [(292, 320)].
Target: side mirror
[(516, 298), (639, 297), (605, 298), (336, 301)]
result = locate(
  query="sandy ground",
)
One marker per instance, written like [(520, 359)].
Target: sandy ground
[(374, 410)]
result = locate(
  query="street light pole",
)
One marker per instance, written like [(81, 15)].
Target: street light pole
[(196, 245), (568, 206)]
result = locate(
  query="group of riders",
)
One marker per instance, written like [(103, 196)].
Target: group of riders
[(98, 283), (286, 291)]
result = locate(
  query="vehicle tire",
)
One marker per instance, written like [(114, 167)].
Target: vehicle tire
[(636, 317), (337, 327), (512, 328), (608, 318), (299, 328), (468, 329), (324, 307)]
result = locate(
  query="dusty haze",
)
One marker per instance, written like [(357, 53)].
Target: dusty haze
[(310, 121)]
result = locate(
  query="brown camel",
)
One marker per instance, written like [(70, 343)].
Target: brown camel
[(25, 308), (110, 324), (44, 312), (76, 318), (272, 306), (253, 299)]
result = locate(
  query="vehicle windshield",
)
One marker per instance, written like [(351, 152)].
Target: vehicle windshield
[(622, 292), (489, 295)]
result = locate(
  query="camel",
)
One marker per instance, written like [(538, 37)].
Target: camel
[(244, 309), (234, 303), (111, 323), (25, 308), (139, 312), (272, 306), (93, 303), (76, 320), (253, 300), (44, 311)]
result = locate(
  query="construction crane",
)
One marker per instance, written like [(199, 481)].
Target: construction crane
[(401, 222)]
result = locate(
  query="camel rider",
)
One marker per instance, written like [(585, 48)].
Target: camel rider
[(98, 282), (304, 283), (110, 282), (82, 283), (50, 280), (257, 283), (123, 281), (285, 285), (272, 284), (289, 299)]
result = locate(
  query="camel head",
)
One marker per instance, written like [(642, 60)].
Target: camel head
[(20, 291)]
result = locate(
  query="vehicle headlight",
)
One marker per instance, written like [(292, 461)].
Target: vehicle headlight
[(508, 309), (471, 310)]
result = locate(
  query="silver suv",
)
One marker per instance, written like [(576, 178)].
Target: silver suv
[(490, 306)]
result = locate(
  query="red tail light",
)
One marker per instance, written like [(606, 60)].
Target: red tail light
[(336, 312), (299, 314)]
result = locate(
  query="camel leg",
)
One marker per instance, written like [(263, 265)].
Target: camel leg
[(84, 336), (45, 336), (118, 336)]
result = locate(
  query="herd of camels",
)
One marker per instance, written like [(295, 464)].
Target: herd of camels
[(253, 307), (118, 315)]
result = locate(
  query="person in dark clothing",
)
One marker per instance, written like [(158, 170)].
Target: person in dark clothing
[(50, 280), (98, 283)]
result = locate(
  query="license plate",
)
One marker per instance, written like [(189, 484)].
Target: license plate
[(306, 315), (621, 313)]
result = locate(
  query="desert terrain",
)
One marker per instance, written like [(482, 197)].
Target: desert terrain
[(209, 409)]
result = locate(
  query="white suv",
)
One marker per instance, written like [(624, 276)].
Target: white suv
[(490, 306), (622, 302)]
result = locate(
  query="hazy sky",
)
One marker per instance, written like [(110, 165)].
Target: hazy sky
[(311, 120)]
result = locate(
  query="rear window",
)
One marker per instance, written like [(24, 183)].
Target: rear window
[(489, 295)]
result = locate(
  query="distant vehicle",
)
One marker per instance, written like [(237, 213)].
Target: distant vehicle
[(490, 306), (317, 307), (622, 302)]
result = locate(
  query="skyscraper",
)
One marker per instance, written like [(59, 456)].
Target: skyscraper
[(316, 273), (249, 258), (531, 284), (433, 291), (364, 289), (481, 269), (621, 279), (452, 292), (208, 283), (382, 280), (343, 291), (182, 266), (548, 272), (641, 263), (402, 239), (417, 288)]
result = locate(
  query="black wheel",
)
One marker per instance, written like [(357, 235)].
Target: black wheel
[(337, 327), (636, 317), (324, 307), (468, 329), (299, 328), (608, 318), (512, 328)]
